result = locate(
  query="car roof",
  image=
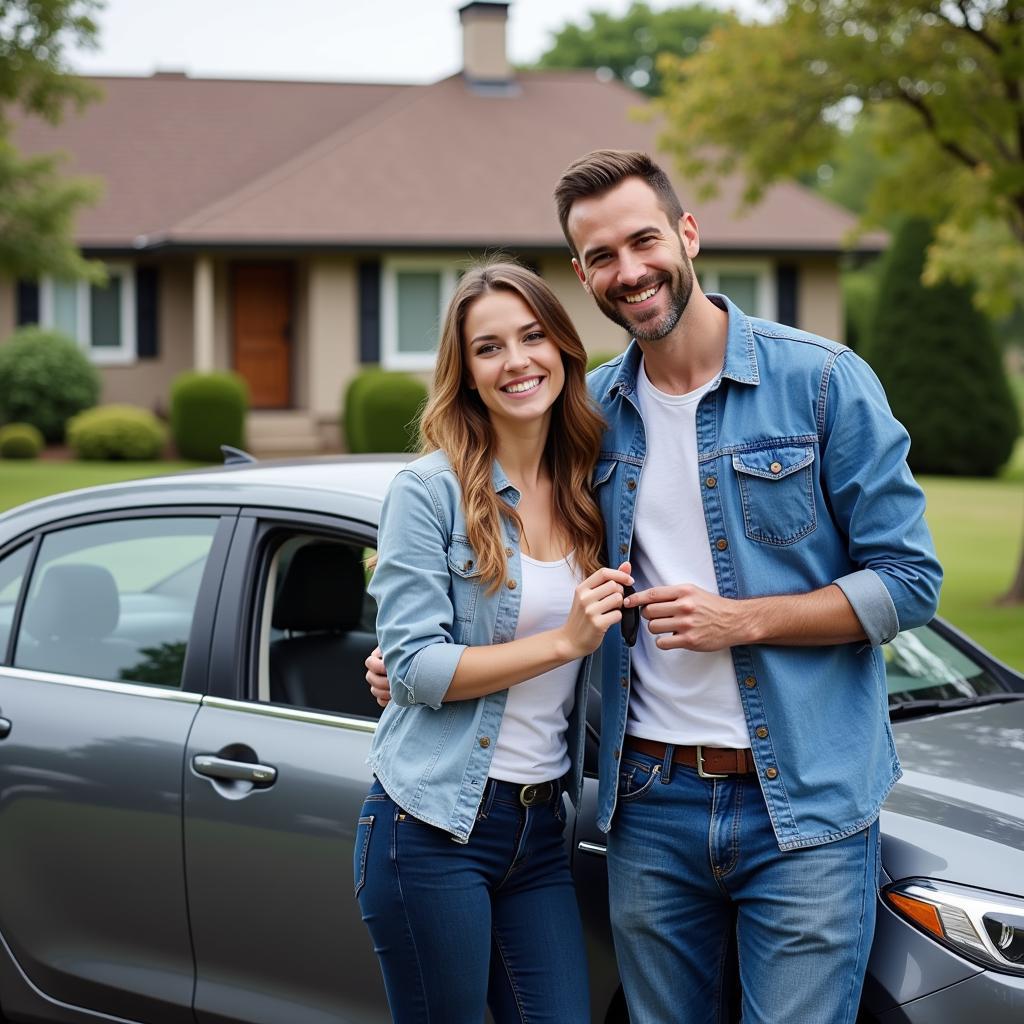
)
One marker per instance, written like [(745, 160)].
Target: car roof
[(346, 485)]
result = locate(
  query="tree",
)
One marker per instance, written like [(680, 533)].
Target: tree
[(938, 361), (38, 205), (944, 81), (630, 45)]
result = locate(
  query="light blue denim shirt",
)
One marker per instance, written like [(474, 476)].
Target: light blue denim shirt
[(433, 757), (804, 482)]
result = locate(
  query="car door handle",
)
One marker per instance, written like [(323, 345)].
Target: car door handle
[(5, 728), (597, 849), (214, 767)]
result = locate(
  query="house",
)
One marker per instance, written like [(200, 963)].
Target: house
[(294, 231)]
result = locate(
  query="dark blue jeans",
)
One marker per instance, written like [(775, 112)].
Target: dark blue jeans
[(490, 923)]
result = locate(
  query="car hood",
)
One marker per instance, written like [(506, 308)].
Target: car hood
[(958, 811)]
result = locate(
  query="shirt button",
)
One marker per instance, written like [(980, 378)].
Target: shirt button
[(771, 773), (711, 481), (511, 584), (750, 682), (616, 754), (776, 467), (485, 741), (721, 543), (630, 484), (509, 552), (623, 548), (469, 564), (761, 732), (624, 681)]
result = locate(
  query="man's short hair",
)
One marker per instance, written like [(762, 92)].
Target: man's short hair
[(600, 171)]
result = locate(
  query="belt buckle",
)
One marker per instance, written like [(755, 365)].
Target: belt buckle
[(530, 794), (700, 766)]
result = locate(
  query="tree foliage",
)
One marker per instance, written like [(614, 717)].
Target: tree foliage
[(630, 45), (37, 204), (945, 83), (941, 368)]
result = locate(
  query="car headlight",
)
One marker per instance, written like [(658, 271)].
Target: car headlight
[(986, 927)]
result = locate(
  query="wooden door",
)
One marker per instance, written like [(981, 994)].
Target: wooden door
[(261, 315)]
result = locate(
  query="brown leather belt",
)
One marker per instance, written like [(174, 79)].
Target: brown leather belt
[(709, 761)]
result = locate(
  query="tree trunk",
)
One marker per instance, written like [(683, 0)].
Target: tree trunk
[(1015, 595)]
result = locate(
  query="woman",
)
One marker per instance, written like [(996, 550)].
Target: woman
[(490, 598)]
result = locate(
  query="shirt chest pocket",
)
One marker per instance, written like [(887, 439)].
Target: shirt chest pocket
[(465, 576), (777, 493)]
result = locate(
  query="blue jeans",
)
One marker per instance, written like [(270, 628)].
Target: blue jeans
[(459, 927), (694, 863)]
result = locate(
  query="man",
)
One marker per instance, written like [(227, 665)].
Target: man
[(757, 481)]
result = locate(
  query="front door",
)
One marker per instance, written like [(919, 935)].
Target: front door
[(261, 301)]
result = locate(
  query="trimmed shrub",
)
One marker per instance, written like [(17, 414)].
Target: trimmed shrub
[(860, 300), (208, 410), (936, 356), (382, 410), (597, 359), (20, 441), (45, 379), (116, 432)]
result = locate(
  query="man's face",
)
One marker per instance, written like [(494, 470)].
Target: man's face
[(633, 261)]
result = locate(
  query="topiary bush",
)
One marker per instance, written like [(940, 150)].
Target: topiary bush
[(208, 410), (116, 432), (382, 410), (20, 441), (936, 356), (45, 379)]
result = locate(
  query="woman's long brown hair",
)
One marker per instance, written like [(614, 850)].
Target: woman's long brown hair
[(456, 421)]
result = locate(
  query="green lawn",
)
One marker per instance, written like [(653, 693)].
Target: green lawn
[(978, 527)]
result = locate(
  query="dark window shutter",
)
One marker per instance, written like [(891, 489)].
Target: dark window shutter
[(147, 337), (787, 294), (369, 311), (27, 303)]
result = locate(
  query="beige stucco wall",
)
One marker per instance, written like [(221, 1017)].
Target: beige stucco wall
[(147, 382), (8, 313), (820, 298), (333, 340), (599, 334)]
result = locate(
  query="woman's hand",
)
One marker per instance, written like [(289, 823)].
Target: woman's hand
[(596, 607)]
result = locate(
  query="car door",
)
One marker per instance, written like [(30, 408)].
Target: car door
[(275, 778), (107, 621)]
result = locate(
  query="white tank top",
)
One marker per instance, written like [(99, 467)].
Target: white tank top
[(531, 744)]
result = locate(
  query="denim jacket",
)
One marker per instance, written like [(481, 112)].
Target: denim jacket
[(804, 482), (433, 757)]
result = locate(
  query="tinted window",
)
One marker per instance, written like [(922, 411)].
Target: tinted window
[(316, 626), (12, 569), (115, 600), (921, 665)]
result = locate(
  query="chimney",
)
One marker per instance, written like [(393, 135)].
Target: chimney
[(484, 60)]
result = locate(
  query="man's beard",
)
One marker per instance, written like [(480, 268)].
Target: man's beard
[(658, 325)]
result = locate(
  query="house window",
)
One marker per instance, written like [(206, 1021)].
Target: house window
[(101, 318), (748, 284), (414, 295)]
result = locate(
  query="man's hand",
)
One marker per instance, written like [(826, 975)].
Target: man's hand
[(377, 678), (684, 616)]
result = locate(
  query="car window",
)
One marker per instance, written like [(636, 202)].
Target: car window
[(99, 605), (12, 571), (316, 625), (922, 665)]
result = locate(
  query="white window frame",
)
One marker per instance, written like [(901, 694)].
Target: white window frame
[(763, 270), (390, 356), (127, 351)]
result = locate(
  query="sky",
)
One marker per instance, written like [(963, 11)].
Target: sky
[(342, 40)]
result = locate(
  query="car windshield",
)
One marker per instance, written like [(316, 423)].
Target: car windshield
[(921, 665)]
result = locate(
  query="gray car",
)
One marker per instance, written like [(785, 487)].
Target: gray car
[(183, 730)]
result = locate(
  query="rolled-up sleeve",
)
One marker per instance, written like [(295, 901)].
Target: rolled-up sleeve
[(878, 504), (411, 585)]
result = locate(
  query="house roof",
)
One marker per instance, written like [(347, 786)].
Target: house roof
[(196, 162)]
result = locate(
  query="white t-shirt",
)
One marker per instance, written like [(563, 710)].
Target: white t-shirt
[(678, 696), (531, 744)]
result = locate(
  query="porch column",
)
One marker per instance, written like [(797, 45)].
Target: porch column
[(202, 315)]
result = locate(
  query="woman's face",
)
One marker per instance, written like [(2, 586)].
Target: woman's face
[(516, 368)]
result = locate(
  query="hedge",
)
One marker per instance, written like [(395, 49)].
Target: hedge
[(381, 412), (20, 441), (116, 432), (208, 410)]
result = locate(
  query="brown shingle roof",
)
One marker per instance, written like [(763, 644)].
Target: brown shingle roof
[(192, 162)]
